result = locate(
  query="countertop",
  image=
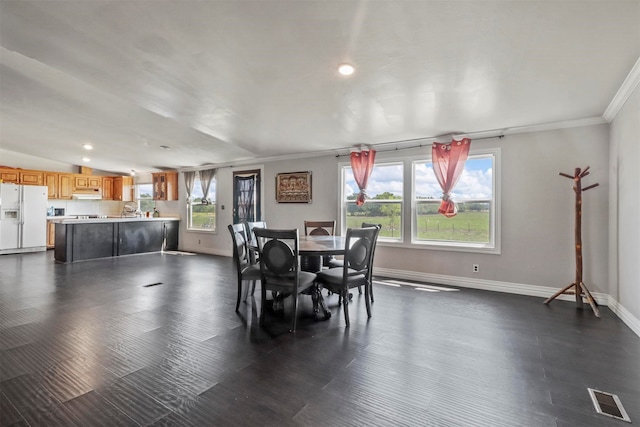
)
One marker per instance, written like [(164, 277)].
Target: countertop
[(74, 220)]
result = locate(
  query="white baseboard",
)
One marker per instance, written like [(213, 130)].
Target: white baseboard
[(509, 287), (632, 322)]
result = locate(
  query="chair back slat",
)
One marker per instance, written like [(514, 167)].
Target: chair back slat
[(319, 228), (240, 246)]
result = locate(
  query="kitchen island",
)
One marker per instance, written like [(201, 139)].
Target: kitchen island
[(85, 239)]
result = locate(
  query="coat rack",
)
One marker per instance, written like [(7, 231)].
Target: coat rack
[(578, 287)]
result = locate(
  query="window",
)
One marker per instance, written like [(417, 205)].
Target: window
[(474, 225), (144, 197), (418, 224), (384, 200), (202, 215)]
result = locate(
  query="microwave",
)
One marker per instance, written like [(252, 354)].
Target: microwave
[(58, 211)]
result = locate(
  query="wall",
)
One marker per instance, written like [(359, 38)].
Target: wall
[(624, 205), (537, 213)]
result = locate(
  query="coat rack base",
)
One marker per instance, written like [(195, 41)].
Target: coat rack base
[(581, 292)]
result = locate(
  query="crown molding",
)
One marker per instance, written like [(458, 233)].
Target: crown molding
[(625, 91)]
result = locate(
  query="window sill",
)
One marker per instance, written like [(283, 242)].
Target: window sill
[(447, 247)]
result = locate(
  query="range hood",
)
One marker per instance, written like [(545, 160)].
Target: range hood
[(87, 195)]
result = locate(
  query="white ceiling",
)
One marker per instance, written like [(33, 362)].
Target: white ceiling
[(227, 81)]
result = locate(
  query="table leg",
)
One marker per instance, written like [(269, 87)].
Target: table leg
[(319, 303)]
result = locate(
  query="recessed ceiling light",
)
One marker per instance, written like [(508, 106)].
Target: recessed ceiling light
[(165, 147), (88, 147), (346, 69), (86, 159), (133, 172)]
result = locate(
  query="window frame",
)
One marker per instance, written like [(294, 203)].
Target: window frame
[(214, 202), (409, 205), (493, 246), (139, 199), (343, 200)]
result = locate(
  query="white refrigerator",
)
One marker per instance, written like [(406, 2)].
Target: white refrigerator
[(23, 218)]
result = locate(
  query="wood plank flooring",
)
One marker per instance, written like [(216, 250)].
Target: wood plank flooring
[(88, 344)]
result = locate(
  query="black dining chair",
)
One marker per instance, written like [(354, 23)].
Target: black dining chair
[(279, 251), (358, 260), (338, 263), (320, 228), (246, 270), (249, 226)]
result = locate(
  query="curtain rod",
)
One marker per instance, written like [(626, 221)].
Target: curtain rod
[(415, 146)]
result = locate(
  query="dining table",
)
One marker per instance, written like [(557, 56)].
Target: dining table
[(311, 250)]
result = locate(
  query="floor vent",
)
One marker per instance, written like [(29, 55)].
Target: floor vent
[(608, 404), (152, 284)]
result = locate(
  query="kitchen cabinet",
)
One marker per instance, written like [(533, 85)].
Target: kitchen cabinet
[(65, 186), (31, 177), (123, 188), (51, 234), (107, 188), (87, 182), (10, 176), (21, 176), (51, 181), (165, 185)]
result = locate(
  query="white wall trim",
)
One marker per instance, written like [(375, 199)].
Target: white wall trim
[(624, 314), (509, 287), (625, 91)]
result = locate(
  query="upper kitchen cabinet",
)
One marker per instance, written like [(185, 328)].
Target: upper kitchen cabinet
[(51, 181), (165, 186), (123, 188), (65, 186), (107, 188), (10, 176), (87, 182), (21, 176)]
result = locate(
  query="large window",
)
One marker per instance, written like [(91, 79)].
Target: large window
[(144, 197), (201, 209), (384, 204), (473, 226), (417, 222)]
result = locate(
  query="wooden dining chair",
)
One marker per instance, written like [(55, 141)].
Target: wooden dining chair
[(249, 226), (245, 269), (321, 228), (338, 263), (358, 259), (280, 269)]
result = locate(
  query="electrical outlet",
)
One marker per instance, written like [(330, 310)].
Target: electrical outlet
[(476, 268), (198, 241)]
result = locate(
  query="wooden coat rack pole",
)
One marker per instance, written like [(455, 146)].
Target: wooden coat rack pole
[(578, 287)]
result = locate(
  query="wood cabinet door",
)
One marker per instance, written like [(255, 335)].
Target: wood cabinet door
[(31, 178), (10, 176), (65, 186), (51, 181), (107, 188), (117, 188), (94, 182), (80, 182), (51, 234)]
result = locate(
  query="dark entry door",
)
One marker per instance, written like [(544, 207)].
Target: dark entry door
[(246, 196)]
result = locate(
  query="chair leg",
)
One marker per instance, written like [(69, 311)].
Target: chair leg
[(371, 289), (263, 302), (245, 292), (295, 313), (346, 307), (239, 293), (253, 288), (367, 289), (360, 290)]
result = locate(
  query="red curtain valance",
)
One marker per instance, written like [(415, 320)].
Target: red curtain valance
[(448, 165), (362, 164)]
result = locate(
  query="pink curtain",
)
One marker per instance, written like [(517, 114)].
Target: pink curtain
[(362, 165), (448, 164)]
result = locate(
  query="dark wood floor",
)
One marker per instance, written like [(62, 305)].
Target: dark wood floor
[(88, 344)]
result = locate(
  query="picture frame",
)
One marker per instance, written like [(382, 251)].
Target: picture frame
[(294, 187)]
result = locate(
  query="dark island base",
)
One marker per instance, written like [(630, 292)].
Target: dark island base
[(91, 240)]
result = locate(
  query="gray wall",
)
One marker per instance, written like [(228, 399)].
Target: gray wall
[(624, 206), (537, 212)]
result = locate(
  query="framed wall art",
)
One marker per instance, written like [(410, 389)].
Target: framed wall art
[(293, 187)]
